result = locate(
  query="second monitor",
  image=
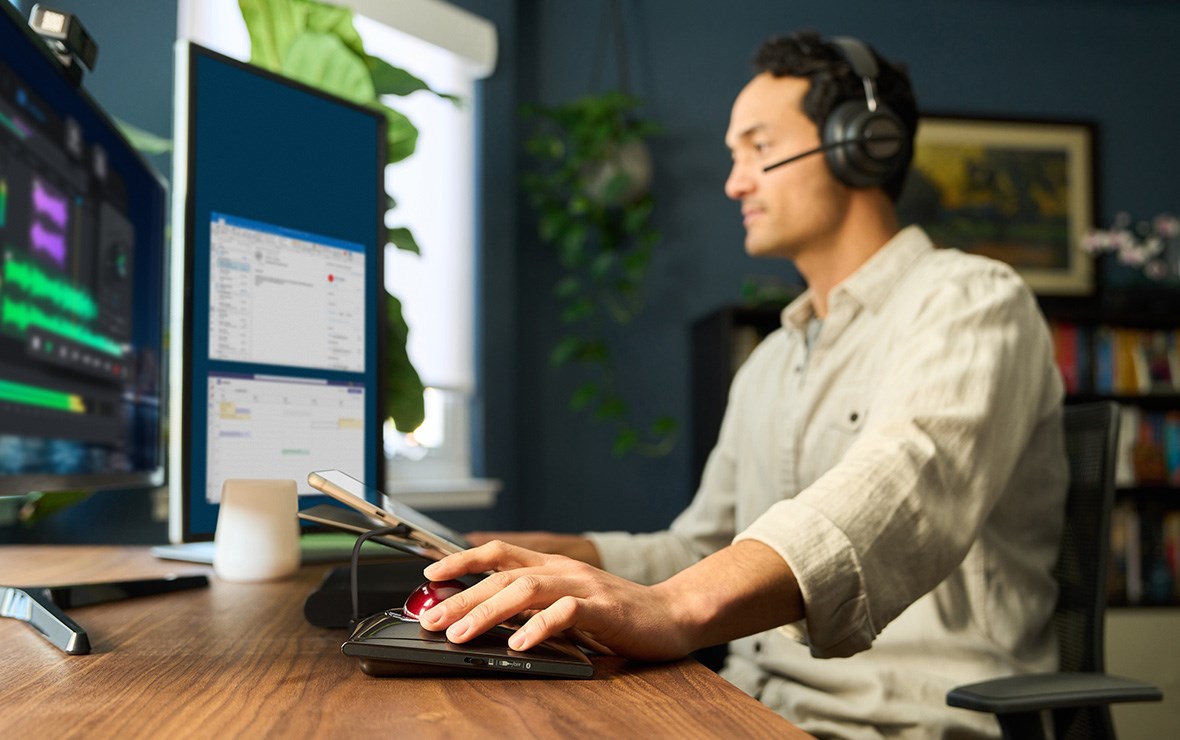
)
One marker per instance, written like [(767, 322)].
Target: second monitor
[(277, 277)]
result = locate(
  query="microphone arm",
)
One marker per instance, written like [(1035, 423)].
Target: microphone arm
[(826, 147)]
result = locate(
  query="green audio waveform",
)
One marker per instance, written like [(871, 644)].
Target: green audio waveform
[(23, 315), (11, 125), (43, 397), (3, 202), (37, 284)]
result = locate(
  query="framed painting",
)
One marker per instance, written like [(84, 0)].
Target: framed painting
[(1016, 190)]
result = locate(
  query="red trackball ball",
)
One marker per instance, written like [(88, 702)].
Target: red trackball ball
[(429, 594)]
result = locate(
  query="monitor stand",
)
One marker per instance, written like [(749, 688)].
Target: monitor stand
[(41, 606)]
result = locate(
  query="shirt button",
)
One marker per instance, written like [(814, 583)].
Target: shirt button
[(758, 647), (854, 416)]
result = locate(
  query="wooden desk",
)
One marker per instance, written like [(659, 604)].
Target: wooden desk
[(239, 660)]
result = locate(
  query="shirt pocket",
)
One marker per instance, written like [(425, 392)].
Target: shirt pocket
[(838, 423)]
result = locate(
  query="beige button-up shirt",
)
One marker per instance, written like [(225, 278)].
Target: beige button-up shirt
[(909, 466)]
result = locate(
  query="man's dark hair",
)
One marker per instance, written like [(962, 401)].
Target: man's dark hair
[(805, 54)]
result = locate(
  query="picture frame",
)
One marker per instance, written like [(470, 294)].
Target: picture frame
[(1021, 191)]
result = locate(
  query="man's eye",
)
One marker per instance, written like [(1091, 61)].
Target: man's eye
[(761, 146)]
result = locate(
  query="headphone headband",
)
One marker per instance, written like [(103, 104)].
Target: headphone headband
[(863, 63)]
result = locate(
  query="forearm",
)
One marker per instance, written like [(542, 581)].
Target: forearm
[(740, 590)]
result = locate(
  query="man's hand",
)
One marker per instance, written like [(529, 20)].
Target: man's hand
[(571, 545), (742, 589), (603, 611)]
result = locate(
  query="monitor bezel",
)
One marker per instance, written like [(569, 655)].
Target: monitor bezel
[(25, 483), (180, 528)]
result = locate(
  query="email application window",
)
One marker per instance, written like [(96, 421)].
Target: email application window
[(284, 297)]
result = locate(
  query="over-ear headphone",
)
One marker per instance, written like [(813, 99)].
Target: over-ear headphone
[(865, 143)]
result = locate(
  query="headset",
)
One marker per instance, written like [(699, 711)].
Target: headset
[(865, 143)]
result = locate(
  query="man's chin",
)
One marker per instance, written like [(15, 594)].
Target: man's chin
[(756, 248)]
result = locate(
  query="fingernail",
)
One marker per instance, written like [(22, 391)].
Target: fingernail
[(428, 570), (516, 642), (460, 628)]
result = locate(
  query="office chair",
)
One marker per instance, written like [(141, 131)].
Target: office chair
[(1078, 695)]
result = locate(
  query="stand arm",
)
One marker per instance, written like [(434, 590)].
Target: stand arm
[(41, 606)]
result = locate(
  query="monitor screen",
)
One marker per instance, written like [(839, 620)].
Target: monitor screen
[(82, 293), (278, 221)]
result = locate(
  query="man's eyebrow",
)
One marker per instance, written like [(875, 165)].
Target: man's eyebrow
[(745, 134)]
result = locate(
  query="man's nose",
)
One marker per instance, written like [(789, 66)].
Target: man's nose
[(740, 183)]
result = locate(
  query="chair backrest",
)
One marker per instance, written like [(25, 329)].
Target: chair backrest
[(1091, 438)]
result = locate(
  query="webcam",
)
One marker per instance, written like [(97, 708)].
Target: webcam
[(67, 38)]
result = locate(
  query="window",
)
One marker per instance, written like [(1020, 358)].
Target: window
[(435, 195)]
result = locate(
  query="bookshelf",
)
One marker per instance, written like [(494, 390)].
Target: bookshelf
[(1127, 348)]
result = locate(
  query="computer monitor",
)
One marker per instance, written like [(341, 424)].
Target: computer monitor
[(278, 207), (82, 292), (82, 311)]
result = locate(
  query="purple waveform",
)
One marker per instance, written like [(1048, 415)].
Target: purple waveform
[(45, 202), (46, 241)]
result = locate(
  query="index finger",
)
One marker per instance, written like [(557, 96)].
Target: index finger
[(493, 556)]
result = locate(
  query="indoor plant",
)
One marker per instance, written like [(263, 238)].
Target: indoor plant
[(590, 189)]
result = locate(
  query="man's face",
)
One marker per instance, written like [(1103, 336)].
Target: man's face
[(793, 208)]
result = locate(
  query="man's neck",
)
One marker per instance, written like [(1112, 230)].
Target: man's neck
[(862, 235)]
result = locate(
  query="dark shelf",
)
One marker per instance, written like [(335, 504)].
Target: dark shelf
[(1143, 309), (1143, 400)]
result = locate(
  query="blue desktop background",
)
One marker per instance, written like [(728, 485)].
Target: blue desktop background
[(265, 150)]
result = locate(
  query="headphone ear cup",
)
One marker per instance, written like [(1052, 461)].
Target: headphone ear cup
[(877, 146)]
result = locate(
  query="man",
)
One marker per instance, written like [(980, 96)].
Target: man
[(879, 519)]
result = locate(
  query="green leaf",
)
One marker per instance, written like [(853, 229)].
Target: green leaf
[(272, 25), (593, 351), (334, 19), (573, 243), (144, 141), (578, 310), (39, 506), (401, 136), (611, 408), (636, 216), (568, 286), (391, 80), (602, 263), (403, 387), (565, 350), (664, 426), (584, 396), (552, 223), (625, 441), (401, 238), (615, 188), (635, 263), (323, 61)]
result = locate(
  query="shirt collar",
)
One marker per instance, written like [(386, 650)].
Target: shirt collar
[(872, 282)]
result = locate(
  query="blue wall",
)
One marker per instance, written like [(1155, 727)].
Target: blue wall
[(1110, 61)]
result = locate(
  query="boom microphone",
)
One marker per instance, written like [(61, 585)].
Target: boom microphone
[(832, 145)]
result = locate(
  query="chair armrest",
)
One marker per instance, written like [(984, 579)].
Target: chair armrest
[(1039, 691)]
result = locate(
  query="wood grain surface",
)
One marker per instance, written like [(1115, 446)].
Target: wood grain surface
[(239, 660)]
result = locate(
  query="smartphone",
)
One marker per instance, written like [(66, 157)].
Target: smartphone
[(436, 539)]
